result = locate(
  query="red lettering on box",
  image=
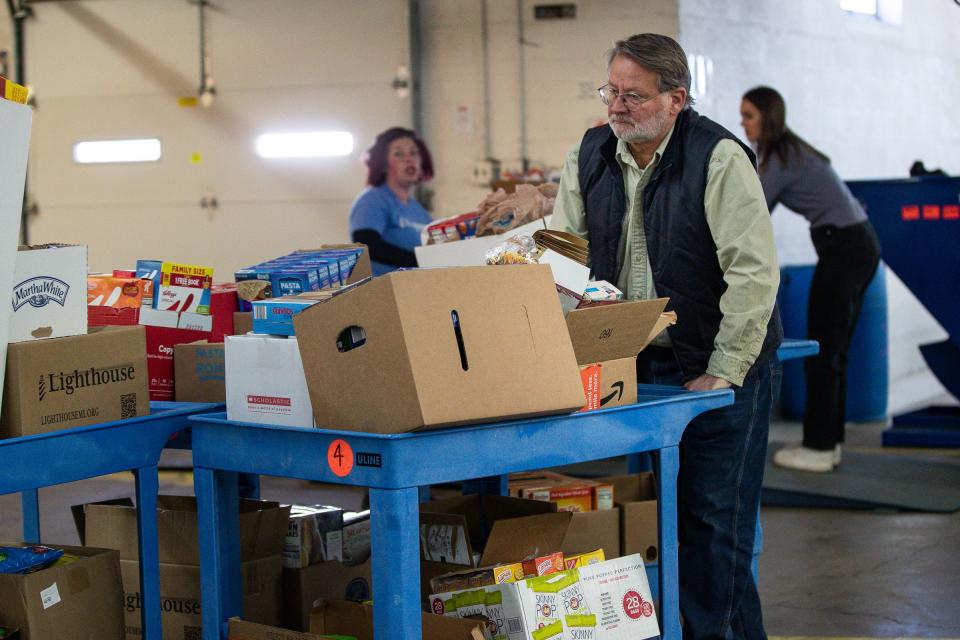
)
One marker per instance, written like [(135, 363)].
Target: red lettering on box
[(951, 212), (910, 212), (272, 401), (931, 212)]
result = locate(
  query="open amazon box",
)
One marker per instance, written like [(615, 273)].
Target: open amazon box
[(606, 339)]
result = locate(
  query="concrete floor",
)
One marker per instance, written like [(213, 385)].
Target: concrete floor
[(823, 572)]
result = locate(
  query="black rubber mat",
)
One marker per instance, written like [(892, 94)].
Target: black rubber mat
[(870, 481)]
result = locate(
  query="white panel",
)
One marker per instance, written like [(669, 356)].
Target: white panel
[(873, 96)]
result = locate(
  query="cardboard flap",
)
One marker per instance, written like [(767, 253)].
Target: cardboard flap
[(238, 629), (518, 538), (612, 331), (466, 507), (349, 618)]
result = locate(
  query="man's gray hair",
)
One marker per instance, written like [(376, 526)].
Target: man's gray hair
[(661, 54)]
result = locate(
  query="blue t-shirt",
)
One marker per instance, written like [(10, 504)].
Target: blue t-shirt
[(379, 209)]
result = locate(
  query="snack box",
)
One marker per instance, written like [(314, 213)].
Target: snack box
[(184, 287)]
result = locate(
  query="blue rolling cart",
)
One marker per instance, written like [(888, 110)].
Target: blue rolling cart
[(135, 444), (394, 467), (918, 223)]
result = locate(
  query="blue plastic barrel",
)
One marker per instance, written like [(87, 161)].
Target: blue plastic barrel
[(867, 368)]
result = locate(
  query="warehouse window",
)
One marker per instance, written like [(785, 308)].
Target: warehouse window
[(109, 151), (865, 7), (886, 11), (306, 144)]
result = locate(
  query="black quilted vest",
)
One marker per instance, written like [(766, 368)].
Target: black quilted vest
[(682, 252)]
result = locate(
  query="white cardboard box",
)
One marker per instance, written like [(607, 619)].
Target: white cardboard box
[(615, 592), (469, 253), (15, 122), (49, 297), (265, 381)]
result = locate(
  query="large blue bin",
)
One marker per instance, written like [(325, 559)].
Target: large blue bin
[(867, 369)]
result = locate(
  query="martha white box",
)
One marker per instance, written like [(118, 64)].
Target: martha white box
[(470, 252), (15, 120), (265, 381), (49, 293)]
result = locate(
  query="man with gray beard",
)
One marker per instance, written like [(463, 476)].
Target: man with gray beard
[(671, 206)]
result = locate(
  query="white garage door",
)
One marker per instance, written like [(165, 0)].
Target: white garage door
[(114, 69)]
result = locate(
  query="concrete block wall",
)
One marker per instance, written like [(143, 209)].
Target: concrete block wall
[(564, 64)]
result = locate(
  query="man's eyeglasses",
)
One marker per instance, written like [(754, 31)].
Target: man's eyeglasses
[(609, 95)]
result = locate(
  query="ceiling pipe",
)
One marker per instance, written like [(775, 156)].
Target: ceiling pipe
[(19, 12)]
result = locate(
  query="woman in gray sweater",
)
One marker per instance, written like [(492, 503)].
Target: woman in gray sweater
[(800, 177)]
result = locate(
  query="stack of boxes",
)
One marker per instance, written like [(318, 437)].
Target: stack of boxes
[(275, 391), (58, 374)]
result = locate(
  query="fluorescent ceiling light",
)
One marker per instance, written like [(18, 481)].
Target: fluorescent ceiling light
[(867, 7), (306, 144), (101, 151)]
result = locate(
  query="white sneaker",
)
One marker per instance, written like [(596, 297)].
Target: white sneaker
[(836, 456), (804, 459)]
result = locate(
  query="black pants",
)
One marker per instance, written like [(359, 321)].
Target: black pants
[(847, 260)]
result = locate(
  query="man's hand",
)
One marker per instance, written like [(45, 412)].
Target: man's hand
[(706, 382)]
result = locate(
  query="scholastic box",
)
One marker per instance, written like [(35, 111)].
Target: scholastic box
[(75, 381), (49, 292), (439, 347), (81, 599), (265, 381)]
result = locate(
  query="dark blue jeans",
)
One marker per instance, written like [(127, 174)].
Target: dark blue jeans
[(722, 456)]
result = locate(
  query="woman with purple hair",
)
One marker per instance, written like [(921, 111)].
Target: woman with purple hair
[(385, 216)]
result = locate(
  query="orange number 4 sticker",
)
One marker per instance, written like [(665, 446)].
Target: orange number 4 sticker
[(340, 458)]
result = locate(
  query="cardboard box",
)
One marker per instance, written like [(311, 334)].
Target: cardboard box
[(610, 383), (353, 619), (49, 292), (332, 580), (470, 252), (223, 306), (608, 600), (242, 323), (521, 528), (265, 382), (363, 268), (569, 493), (75, 381), (637, 499), (606, 339), (199, 372), (15, 120), (306, 541), (263, 524), (81, 600), (440, 347), (160, 365), (238, 629)]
